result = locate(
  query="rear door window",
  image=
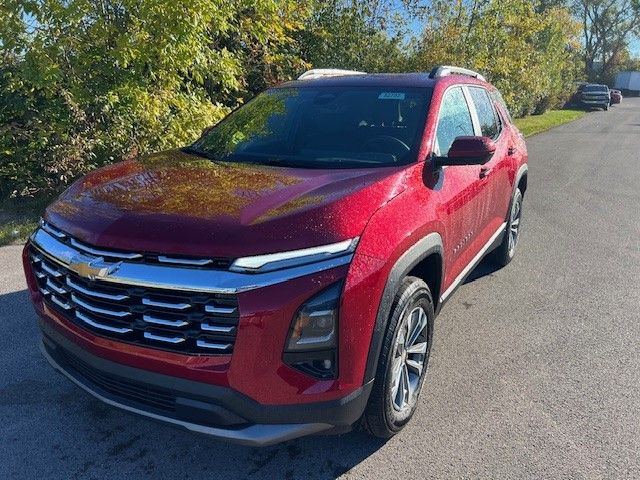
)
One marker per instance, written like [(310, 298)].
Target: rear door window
[(487, 116), (498, 100)]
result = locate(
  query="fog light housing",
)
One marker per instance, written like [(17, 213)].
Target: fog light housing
[(312, 341)]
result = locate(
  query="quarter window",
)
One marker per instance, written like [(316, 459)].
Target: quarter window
[(454, 120), (489, 126)]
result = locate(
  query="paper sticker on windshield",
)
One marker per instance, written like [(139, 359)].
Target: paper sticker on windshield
[(391, 96)]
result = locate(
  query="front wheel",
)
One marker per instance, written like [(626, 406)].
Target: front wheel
[(507, 249), (403, 360)]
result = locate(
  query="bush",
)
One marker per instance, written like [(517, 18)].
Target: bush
[(85, 83), (528, 55)]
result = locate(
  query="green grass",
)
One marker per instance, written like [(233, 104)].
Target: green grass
[(16, 232), (19, 217), (539, 123)]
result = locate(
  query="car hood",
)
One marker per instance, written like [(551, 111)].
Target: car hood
[(180, 204)]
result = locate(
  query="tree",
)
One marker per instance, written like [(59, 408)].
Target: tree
[(85, 82), (607, 27), (528, 55), (368, 35)]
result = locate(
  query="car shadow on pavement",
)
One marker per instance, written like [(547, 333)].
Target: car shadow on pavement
[(70, 434), (485, 268)]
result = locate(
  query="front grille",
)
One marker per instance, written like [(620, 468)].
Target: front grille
[(187, 322), (137, 392)]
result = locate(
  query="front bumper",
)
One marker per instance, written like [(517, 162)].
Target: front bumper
[(213, 410), (595, 102)]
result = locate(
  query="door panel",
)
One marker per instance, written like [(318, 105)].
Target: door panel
[(495, 173), (461, 201)]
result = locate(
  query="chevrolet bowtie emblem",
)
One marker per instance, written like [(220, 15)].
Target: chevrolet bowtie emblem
[(92, 267)]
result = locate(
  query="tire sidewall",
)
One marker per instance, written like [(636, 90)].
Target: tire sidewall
[(517, 199), (416, 294)]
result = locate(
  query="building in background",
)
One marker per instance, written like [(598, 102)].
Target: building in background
[(628, 83)]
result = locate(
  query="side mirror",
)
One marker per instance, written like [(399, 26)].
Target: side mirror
[(468, 151)]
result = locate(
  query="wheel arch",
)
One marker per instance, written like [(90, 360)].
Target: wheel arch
[(521, 179), (422, 259)]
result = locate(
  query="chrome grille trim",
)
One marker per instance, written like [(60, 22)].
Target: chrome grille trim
[(52, 230), (102, 326), (51, 271), (200, 262), (173, 306), (55, 288), (103, 253), (94, 309), (92, 293), (207, 327), (180, 278), (162, 338), (162, 321), (219, 310), (214, 346), (61, 303), (154, 318)]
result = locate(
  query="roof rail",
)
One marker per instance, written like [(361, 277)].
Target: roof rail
[(327, 72), (444, 70)]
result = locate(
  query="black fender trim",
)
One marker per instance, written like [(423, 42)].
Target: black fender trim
[(522, 171), (428, 245)]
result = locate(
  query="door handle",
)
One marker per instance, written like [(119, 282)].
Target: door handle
[(511, 150), (484, 172)]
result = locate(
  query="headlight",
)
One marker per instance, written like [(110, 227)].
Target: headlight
[(293, 258), (312, 342)]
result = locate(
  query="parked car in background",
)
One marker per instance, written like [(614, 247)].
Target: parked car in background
[(574, 99), (280, 277), (595, 96), (616, 97)]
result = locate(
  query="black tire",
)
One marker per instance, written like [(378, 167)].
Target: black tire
[(505, 252), (606, 108), (381, 417)]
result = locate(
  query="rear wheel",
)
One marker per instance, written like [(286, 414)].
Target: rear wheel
[(403, 360), (507, 249)]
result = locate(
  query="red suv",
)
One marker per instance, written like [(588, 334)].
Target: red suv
[(280, 277)]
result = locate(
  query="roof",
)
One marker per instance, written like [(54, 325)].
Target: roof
[(369, 79), (407, 80)]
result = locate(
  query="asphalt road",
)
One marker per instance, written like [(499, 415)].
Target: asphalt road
[(535, 371)]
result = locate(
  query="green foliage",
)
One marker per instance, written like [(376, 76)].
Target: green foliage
[(528, 55), (358, 35), (87, 82)]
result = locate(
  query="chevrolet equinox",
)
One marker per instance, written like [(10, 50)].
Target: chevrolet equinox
[(280, 276)]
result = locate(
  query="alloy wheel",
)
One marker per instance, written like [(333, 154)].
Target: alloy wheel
[(409, 356), (514, 226)]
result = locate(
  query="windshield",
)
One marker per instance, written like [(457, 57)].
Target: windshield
[(322, 127), (596, 88)]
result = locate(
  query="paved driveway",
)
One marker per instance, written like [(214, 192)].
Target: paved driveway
[(535, 371)]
